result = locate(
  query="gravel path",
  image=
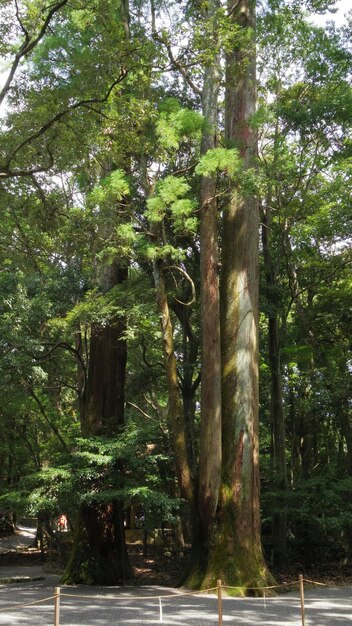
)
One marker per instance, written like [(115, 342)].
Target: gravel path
[(86, 606), (94, 606)]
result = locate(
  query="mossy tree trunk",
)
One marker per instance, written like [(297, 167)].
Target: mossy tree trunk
[(235, 554), (99, 554), (230, 538), (175, 413)]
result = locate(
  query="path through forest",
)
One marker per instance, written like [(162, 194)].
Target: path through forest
[(87, 606), (95, 606)]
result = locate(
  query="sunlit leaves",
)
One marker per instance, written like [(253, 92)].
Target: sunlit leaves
[(169, 199), (112, 188), (219, 160), (176, 124)]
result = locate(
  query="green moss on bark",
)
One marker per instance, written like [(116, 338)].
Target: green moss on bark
[(99, 555)]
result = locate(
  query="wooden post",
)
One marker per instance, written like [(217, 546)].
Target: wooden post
[(301, 591), (57, 606), (218, 584)]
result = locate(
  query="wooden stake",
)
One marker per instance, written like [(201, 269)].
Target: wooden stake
[(57, 606), (301, 590), (218, 584)]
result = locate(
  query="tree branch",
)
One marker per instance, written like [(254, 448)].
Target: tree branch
[(137, 408), (144, 352), (28, 45), (176, 64), (6, 172), (48, 420), (187, 276)]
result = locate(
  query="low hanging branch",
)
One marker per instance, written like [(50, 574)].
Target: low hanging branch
[(48, 420)]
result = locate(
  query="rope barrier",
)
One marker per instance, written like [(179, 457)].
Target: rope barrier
[(313, 582), (262, 588), (190, 593), (168, 596), (13, 607)]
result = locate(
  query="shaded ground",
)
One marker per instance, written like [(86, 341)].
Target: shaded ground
[(87, 606), (155, 568)]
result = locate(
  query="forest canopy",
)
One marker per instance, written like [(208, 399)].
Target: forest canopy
[(175, 202)]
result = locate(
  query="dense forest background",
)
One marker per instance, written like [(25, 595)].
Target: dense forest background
[(117, 142)]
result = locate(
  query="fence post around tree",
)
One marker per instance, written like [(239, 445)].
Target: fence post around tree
[(57, 606), (301, 591), (218, 584)]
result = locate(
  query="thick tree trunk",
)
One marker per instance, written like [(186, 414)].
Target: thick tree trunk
[(99, 554), (105, 392), (236, 554)]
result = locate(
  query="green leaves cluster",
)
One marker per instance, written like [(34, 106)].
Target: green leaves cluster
[(168, 199)]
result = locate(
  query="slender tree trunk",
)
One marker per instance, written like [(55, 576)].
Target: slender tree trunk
[(210, 439), (175, 408), (189, 380), (344, 417), (279, 516)]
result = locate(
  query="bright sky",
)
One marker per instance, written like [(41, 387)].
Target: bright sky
[(343, 7)]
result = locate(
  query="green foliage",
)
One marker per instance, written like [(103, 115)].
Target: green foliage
[(109, 132), (176, 124), (169, 200), (129, 469), (320, 516), (111, 189), (219, 160)]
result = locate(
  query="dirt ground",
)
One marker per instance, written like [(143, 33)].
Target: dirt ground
[(155, 568)]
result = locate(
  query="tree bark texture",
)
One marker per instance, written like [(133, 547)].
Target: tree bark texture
[(279, 516), (99, 554), (175, 409), (210, 440), (105, 392), (236, 554)]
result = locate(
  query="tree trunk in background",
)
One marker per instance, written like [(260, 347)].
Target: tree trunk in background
[(175, 408), (279, 515), (344, 417), (236, 553), (99, 554), (210, 438), (105, 392), (189, 383)]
